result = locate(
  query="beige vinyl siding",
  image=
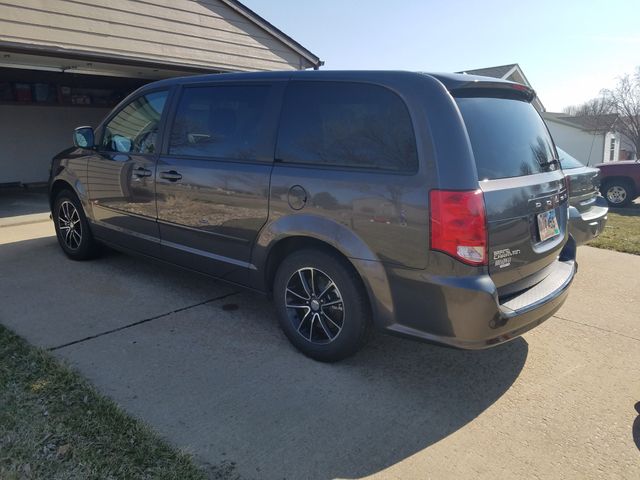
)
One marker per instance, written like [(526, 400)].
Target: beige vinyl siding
[(198, 33), (108, 180)]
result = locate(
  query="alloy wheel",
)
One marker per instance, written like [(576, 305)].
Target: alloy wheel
[(616, 194), (70, 225), (314, 305)]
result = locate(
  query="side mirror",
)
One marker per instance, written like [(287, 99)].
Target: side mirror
[(83, 137)]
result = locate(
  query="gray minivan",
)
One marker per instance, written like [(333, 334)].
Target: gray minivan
[(431, 206)]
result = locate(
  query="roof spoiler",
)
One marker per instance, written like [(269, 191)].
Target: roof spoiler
[(502, 89)]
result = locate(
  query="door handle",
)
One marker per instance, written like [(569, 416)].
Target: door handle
[(171, 175), (142, 172)]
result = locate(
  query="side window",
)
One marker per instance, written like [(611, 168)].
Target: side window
[(346, 124), (135, 128), (223, 121)]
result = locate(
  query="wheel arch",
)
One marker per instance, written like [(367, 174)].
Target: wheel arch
[(56, 187), (284, 247), (291, 234)]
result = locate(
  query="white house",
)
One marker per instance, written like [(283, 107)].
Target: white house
[(576, 136)]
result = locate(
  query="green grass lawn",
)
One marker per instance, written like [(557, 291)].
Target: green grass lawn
[(53, 425), (622, 232)]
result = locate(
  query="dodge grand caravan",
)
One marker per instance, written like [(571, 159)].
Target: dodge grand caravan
[(426, 205)]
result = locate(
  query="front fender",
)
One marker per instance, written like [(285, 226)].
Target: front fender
[(371, 270), (70, 167)]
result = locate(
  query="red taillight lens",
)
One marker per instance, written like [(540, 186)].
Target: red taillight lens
[(458, 225)]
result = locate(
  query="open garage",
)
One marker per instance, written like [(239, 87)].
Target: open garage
[(67, 63)]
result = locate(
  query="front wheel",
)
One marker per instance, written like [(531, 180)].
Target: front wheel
[(72, 228), (322, 306), (617, 193)]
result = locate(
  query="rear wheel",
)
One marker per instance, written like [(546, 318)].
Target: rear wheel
[(72, 228), (322, 306), (618, 193)]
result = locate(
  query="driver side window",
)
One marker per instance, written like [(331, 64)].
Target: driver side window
[(134, 129)]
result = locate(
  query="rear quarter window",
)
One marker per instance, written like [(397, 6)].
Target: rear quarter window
[(344, 124), (508, 137)]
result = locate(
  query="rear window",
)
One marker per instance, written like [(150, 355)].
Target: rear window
[(508, 137), (343, 124)]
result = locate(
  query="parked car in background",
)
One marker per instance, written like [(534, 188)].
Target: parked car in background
[(354, 199), (620, 182), (587, 209)]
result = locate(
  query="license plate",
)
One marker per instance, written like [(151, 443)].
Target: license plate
[(548, 225)]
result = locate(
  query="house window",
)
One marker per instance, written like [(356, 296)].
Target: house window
[(612, 149)]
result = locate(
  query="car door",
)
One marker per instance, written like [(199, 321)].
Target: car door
[(212, 183), (122, 171)]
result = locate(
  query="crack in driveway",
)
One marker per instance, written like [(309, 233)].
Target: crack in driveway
[(140, 322), (597, 328)]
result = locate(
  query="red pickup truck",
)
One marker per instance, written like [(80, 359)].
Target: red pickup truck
[(620, 182)]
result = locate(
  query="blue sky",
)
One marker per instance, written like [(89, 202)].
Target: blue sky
[(568, 50)]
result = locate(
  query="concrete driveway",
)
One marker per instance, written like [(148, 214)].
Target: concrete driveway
[(208, 368)]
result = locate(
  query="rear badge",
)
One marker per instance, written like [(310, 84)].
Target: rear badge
[(502, 258)]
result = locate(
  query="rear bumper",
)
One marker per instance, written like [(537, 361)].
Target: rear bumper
[(587, 225), (466, 312)]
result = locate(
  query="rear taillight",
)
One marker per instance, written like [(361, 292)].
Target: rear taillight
[(458, 225)]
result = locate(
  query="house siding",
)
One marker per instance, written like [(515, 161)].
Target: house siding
[(202, 34), (584, 146)]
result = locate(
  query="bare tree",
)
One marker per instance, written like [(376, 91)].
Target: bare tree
[(596, 115), (617, 108), (624, 99)]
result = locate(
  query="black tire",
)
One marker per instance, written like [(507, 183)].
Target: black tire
[(618, 192), (77, 244), (353, 317)]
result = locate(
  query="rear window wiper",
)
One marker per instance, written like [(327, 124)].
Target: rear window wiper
[(553, 161)]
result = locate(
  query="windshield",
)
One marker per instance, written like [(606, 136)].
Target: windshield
[(567, 161), (508, 137)]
